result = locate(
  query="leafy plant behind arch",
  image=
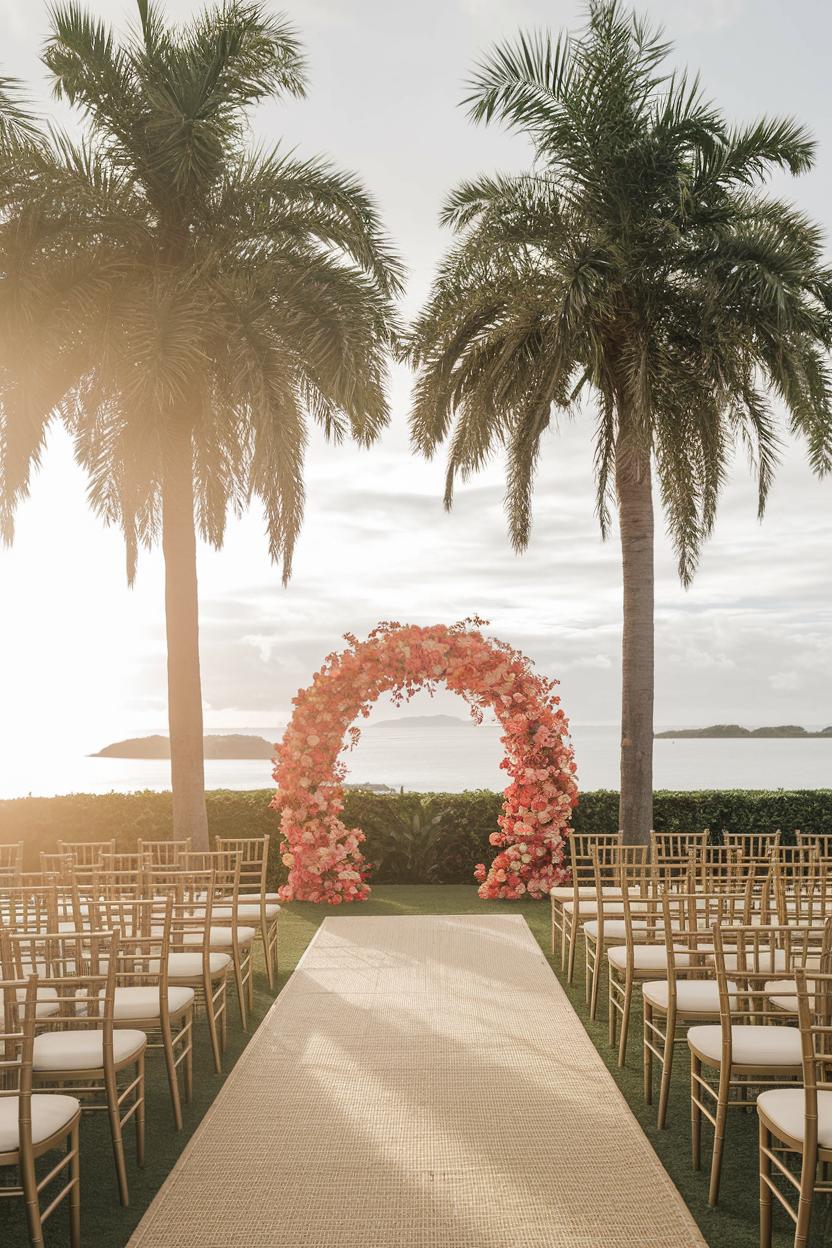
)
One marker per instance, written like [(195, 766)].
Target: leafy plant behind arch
[(324, 857)]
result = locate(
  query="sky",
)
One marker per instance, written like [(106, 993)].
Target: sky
[(82, 657)]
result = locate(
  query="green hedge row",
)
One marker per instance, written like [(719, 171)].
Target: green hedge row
[(411, 837)]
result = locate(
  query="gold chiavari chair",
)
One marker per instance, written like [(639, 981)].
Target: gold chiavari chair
[(689, 992), (33, 1124), (163, 853), (800, 1119), (670, 856), (715, 867), (11, 862), (191, 962), (257, 905), (748, 1047), (144, 999), (642, 957), (86, 853), (582, 885), (820, 842), (122, 862), (583, 850), (57, 866), (617, 868), (79, 1048), (231, 936), (801, 882), (757, 847), (125, 882)]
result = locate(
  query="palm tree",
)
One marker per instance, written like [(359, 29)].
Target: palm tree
[(638, 269), (186, 304)]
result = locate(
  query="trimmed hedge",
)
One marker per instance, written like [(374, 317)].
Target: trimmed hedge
[(412, 837)]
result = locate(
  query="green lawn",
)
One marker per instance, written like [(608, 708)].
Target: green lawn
[(107, 1225)]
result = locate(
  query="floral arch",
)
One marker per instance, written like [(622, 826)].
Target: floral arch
[(324, 856)]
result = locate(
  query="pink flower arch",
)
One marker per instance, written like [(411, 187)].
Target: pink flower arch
[(324, 856)]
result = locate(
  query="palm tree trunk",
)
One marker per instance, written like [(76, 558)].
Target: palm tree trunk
[(635, 509), (190, 818)]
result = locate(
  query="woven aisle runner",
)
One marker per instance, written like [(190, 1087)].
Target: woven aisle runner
[(420, 1081)]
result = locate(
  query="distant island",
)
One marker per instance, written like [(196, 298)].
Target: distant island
[(736, 731), (233, 746)]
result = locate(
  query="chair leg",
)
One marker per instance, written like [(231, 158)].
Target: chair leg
[(613, 1009), (29, 1183), (695, 1113), (808, 1174), (75, 1191), (596, 979), (140, 1112), (188, 1029), (647, 1054), (114, 1112), (573, 947), (173, 1077), (267, 952), (719, 1139), (564, 919), (209, 989), (554, 928), (667, 1069), (765, 1190), (241, 992), (625, 1019)]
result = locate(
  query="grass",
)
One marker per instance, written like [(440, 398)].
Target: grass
[(105, 1224)]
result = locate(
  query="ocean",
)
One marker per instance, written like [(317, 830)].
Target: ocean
[(448, 758)]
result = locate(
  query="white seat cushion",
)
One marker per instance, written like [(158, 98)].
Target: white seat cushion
[(752, 1045), (785, 1108), (221, 936), (566, 892), (50, 1112), (782, 993), (613, 928), (189, 965), (248, 912), (591, 907), (693, 996), (256, 897), (645, 957), (143, 1002), (83, 1049), (46, 1004)]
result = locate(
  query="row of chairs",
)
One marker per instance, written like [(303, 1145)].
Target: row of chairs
[(104, 967), (731, 946)]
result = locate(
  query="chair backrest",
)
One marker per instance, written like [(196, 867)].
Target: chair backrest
[(121, 862), (755, 846), (144, 941), (253, 853), (714, 867), (29, 909), (117, 882), (18, 998), (820, 842), (163, 853), (225, 866), (58, 866), (86, 853), (585, 849), (670, 856), (11, 862)]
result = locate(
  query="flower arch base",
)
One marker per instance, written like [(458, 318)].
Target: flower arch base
[(324, 856)]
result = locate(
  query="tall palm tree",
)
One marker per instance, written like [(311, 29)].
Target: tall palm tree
[(186, 303), (638, 269)]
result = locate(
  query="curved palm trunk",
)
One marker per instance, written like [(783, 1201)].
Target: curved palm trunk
[(182, 626), (635, 509)]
